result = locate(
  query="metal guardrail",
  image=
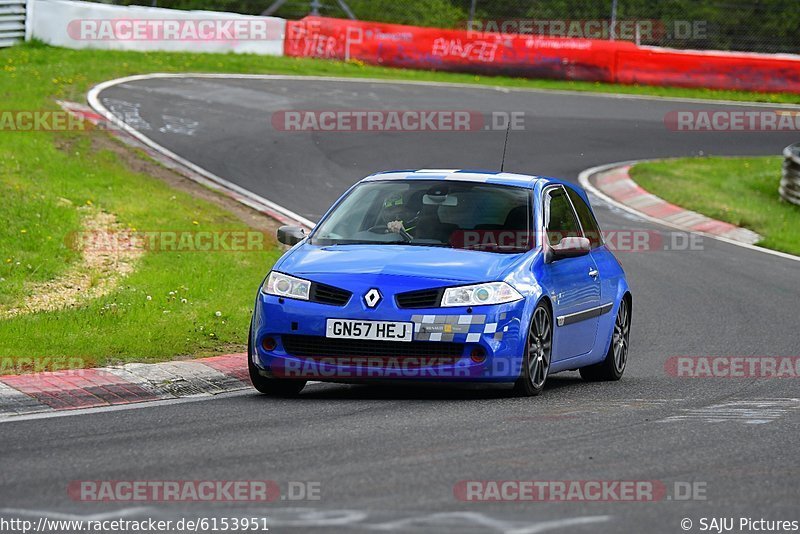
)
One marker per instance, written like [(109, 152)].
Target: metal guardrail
[(12, 22), (790, 182)]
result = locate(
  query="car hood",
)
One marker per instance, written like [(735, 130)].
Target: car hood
[(435, 263)]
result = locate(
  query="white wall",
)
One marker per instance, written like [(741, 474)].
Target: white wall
[(73, 24)]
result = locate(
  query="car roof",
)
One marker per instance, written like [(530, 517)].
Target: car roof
[(463, 175)]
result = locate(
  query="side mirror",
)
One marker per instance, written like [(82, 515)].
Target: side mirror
[(291, 235), (568, 247)]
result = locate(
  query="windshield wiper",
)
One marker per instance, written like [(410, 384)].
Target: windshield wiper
[(371, 242), (357, 242)]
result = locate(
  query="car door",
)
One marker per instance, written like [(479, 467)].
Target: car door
[(603, 258), (574, 283)]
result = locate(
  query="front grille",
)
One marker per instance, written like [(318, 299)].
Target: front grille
[(424, 298), (325, 294), (323, 347)]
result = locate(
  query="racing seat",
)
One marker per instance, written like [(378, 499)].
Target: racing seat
[(430, 226), (517, 219)]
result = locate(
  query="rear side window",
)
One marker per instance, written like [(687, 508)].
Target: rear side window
[(591, 229), (560, 219)]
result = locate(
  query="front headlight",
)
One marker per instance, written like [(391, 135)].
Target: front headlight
[(480, 294), (283, 285)]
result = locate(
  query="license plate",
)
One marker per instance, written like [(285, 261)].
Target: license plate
[(375, 330)]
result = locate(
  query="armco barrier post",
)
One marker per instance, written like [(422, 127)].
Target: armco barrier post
[(12, 22), (790, 181)]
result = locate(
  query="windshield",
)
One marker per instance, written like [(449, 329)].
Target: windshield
[(466, 215)]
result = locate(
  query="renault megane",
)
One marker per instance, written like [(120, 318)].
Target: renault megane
[(444, 276)]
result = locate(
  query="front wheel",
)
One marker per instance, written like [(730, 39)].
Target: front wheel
[(612, 367), (274, 387), (538, 352)]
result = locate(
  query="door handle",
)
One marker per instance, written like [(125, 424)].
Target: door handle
[(593, 273)]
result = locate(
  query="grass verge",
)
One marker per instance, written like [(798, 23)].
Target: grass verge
[(741, 191)]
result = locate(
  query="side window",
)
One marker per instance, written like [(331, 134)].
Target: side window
[(591, 230), (559, 218)]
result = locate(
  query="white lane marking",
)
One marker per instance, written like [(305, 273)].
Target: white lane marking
[(178, 125), (310, 517), (130, 112), (245, 196), (494, 88), (471, 519), (48, 413), (583, 178), (122, 407), (751, 412), (583, 408)]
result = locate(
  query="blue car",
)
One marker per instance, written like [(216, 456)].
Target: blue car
[(443, 276)]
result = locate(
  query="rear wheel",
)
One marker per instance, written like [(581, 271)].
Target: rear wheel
[(275, 387), (612, 367), (538, 352)]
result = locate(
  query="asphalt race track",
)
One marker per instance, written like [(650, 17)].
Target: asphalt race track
[(388, 459)]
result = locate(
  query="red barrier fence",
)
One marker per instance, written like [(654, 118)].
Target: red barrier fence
[(395, 45), (714, 70)]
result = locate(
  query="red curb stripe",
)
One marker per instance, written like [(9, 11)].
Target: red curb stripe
[(662, 210), (714, 227), (234, 365), (81, 111), (74, 398), (86, 388), (114, 394), (611, 178), (628, 194), (92, 388)]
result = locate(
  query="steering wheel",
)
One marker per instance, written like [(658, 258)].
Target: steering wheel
[(379, 229), (384, 229)]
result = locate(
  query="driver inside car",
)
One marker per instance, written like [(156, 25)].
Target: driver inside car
[(400, 217)]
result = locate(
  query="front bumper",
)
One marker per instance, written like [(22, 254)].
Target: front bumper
[(482, 344)]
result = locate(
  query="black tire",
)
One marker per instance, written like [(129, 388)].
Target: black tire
[(613, 366), (538, 353), (274, 387)]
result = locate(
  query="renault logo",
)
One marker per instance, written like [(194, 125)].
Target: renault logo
[(372, 297)]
